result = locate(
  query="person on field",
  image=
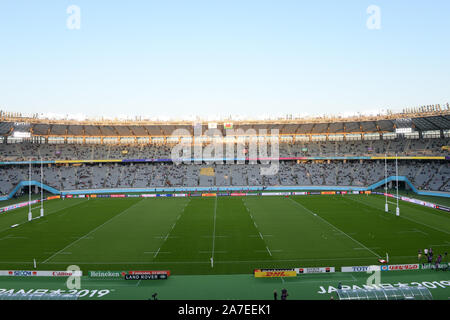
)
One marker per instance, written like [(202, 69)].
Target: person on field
[(419, 255), (275, 295)]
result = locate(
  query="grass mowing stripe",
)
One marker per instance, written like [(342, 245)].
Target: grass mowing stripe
[(214, 233), (131, 240), (259, 232), (168, 233), (205, 262), (90, 232), (401, 215), (334, 227), (45, 215)]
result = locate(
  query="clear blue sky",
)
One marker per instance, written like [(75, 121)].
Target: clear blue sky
[(222, 57)]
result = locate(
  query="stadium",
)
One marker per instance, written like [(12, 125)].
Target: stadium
[(213, 159), (109, 198)]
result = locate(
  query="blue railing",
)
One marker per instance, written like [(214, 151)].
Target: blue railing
[(213, 189)]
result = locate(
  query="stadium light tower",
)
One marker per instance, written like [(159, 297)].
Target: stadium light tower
[(29, 193), (386, 206), (42, 190), (397, 210)]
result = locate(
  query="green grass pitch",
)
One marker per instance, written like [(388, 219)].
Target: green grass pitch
[(240, 233)]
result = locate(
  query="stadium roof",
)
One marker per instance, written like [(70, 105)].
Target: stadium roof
[(419, 121)]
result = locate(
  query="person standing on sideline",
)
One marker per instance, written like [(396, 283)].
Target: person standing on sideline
[(438, 262), (419, 255), (284, 294), (275, 294)]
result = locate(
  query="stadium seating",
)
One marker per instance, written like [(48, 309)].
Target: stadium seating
[(410, 147), (427, 175)]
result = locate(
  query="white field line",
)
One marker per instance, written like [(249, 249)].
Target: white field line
[(12, 237), (164, 236), (89, 233), (216, 236), (415, 221), (45, 214), (153, 252), (401, 216), (167, 236), (214, 251), (259, 232), (264, 235), (420, 231), (413, 231), (214, 230), (334, 227), (198, 262), (171, 229)]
